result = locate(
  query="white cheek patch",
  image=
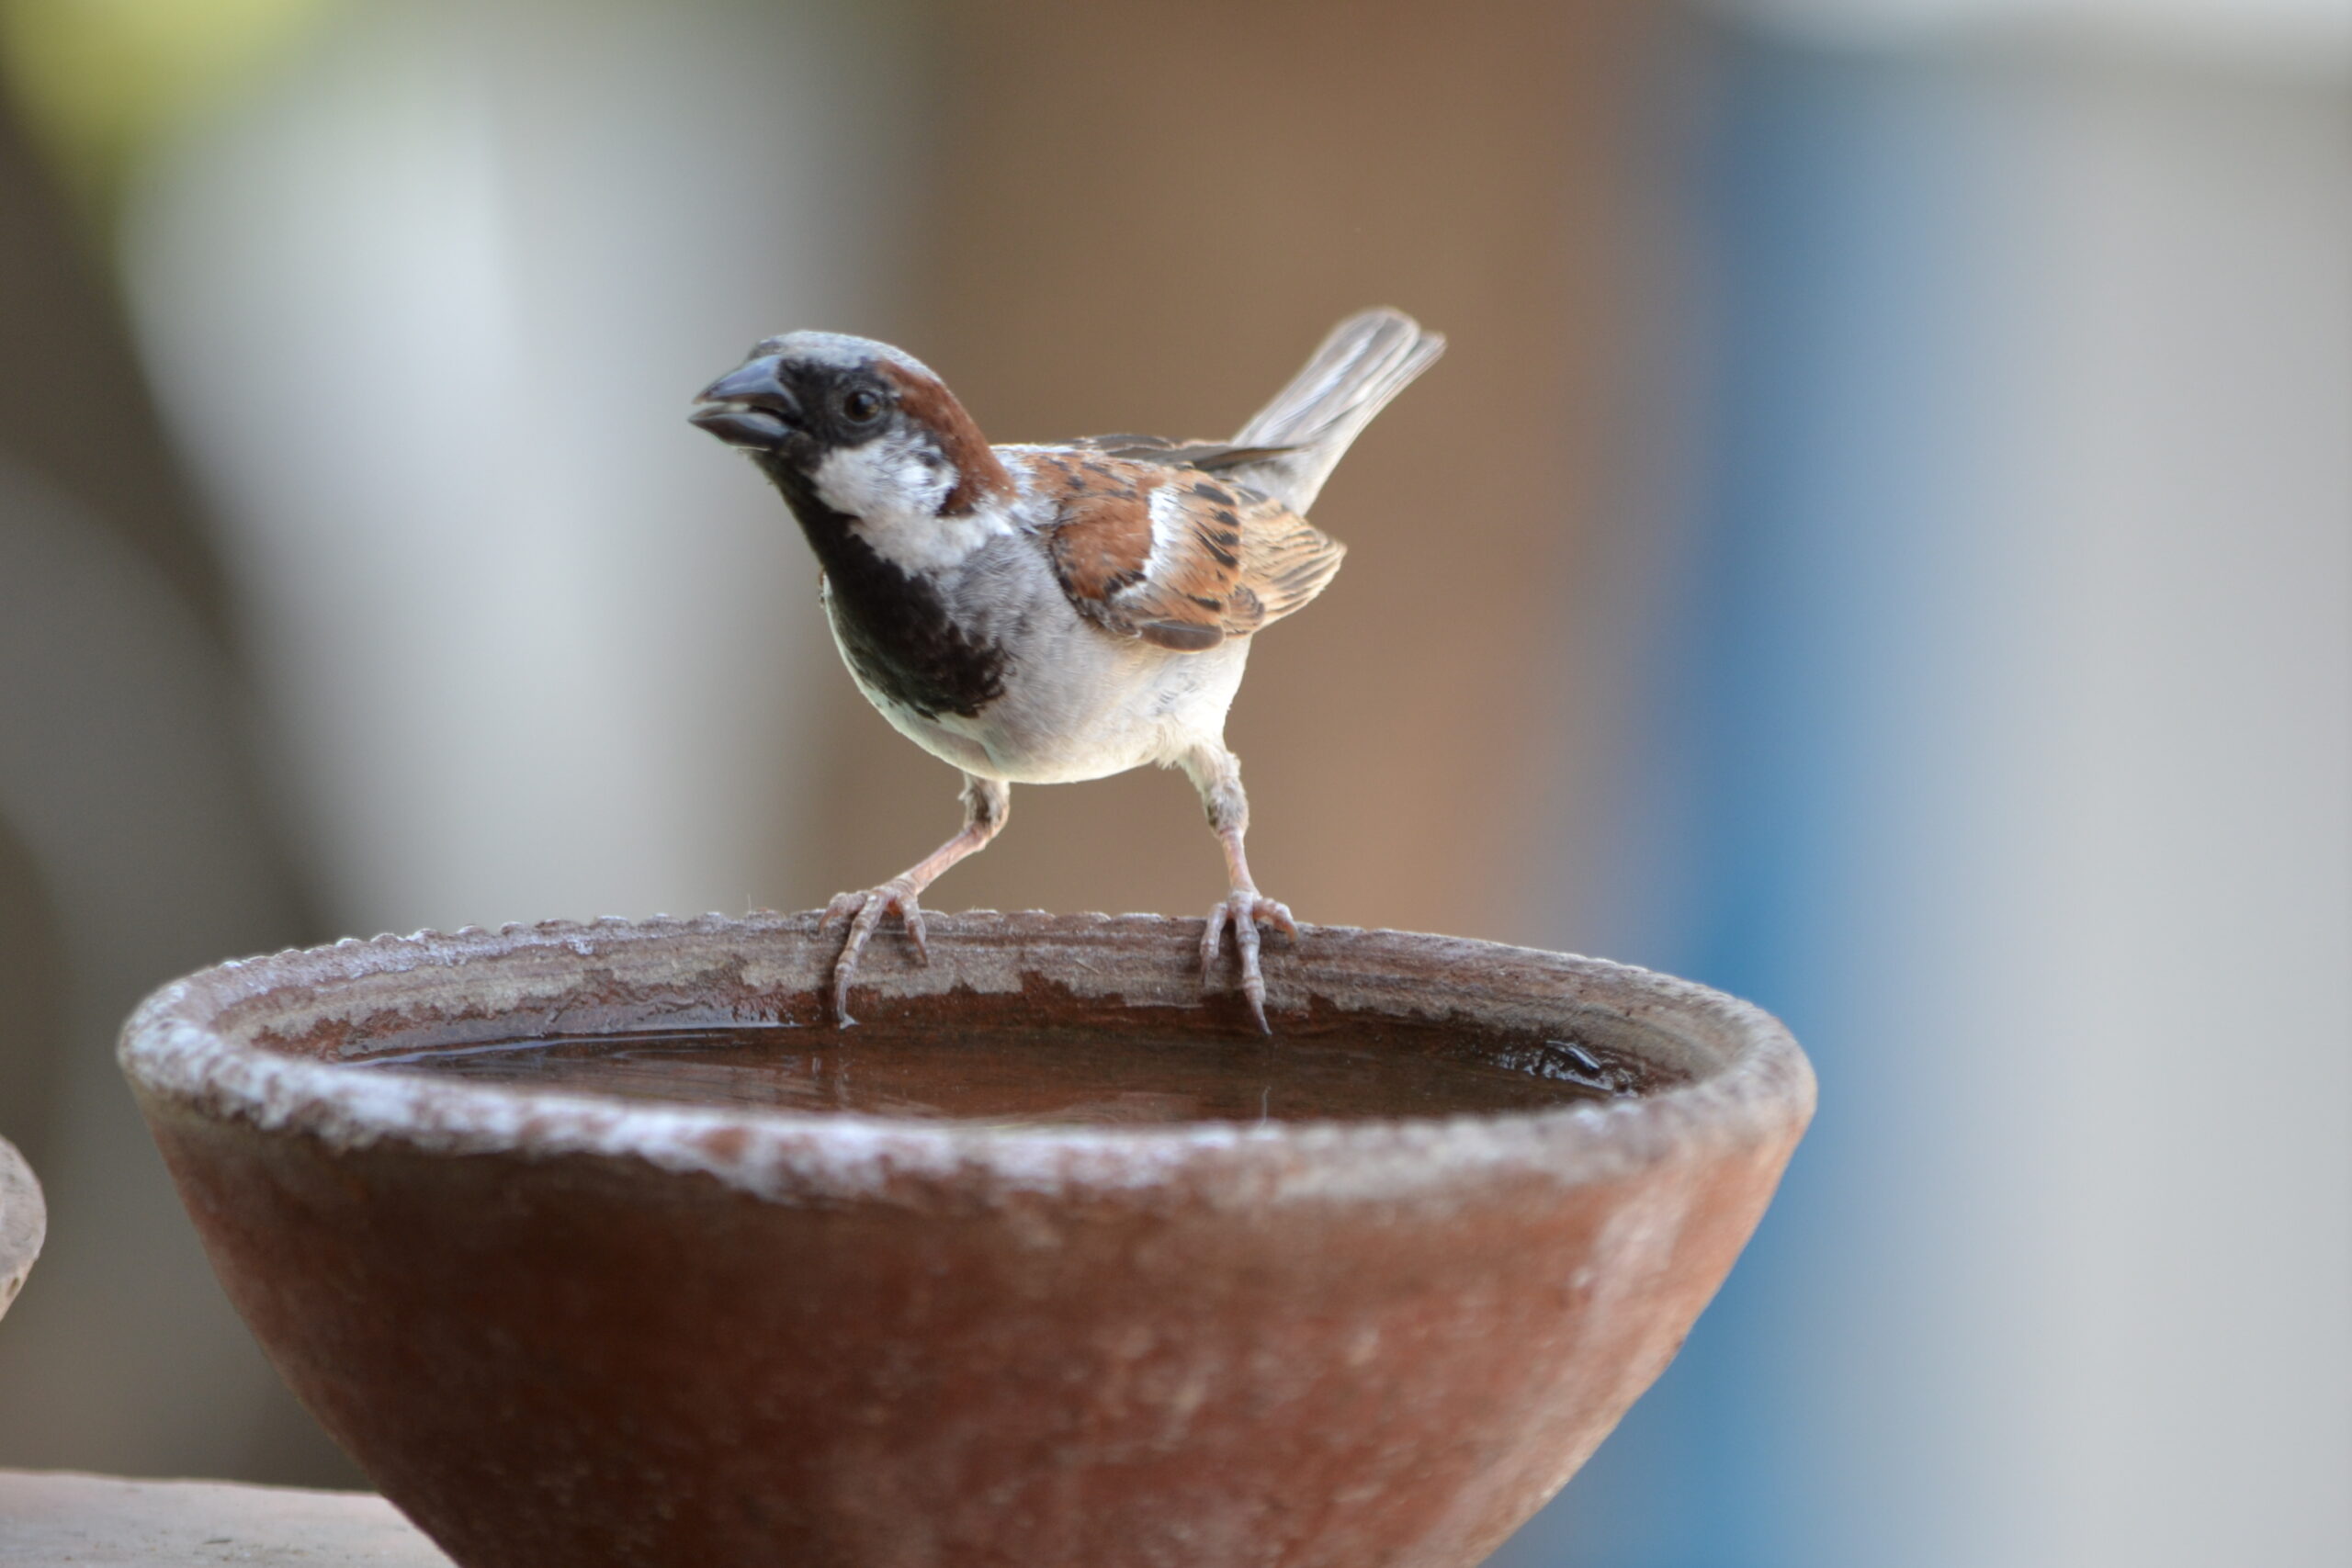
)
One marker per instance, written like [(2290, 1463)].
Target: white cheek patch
[(891, 489), (890, 473)]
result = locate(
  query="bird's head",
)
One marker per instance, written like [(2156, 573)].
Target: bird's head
[(856, 425)]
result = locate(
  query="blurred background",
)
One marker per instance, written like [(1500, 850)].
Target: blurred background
[(1881, 543)]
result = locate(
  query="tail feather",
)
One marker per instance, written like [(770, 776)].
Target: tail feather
[(1368, 359)]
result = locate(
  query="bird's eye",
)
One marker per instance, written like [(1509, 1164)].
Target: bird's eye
[(861, 405)]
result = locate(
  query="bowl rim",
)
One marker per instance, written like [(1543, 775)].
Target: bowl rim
[(187, 1050)]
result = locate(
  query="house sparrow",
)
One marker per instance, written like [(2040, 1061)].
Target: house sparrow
[(1047, 613)]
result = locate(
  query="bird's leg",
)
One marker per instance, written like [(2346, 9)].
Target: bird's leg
[(987, 803), (1216, 774)]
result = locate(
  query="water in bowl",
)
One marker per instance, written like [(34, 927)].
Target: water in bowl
[(1139, 1073)]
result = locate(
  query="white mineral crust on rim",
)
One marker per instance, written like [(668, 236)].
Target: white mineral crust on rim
[(193, 1042)]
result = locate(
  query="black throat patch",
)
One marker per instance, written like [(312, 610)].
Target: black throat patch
[(894, 628)]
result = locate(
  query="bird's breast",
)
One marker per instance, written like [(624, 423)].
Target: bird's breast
[(1052, 698), (901, 638)]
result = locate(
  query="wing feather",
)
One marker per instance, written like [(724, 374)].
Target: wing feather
[(1173, 554)]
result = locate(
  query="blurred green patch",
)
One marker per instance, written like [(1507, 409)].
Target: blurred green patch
[(99, 82)]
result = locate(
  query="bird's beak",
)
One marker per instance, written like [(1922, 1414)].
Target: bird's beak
[(750, 406)]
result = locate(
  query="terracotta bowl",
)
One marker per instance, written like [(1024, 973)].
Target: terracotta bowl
[(559, 1329), (23, 1223)]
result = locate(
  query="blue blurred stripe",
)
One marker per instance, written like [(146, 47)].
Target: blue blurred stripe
[(1801, 657)]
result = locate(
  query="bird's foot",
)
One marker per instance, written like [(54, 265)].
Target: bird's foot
[(863, 911), (1242, 911)]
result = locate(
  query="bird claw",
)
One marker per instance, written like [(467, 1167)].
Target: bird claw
[(1242, 911), (864, 911)]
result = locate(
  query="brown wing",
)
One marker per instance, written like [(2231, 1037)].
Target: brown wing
[(1173, 554)]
